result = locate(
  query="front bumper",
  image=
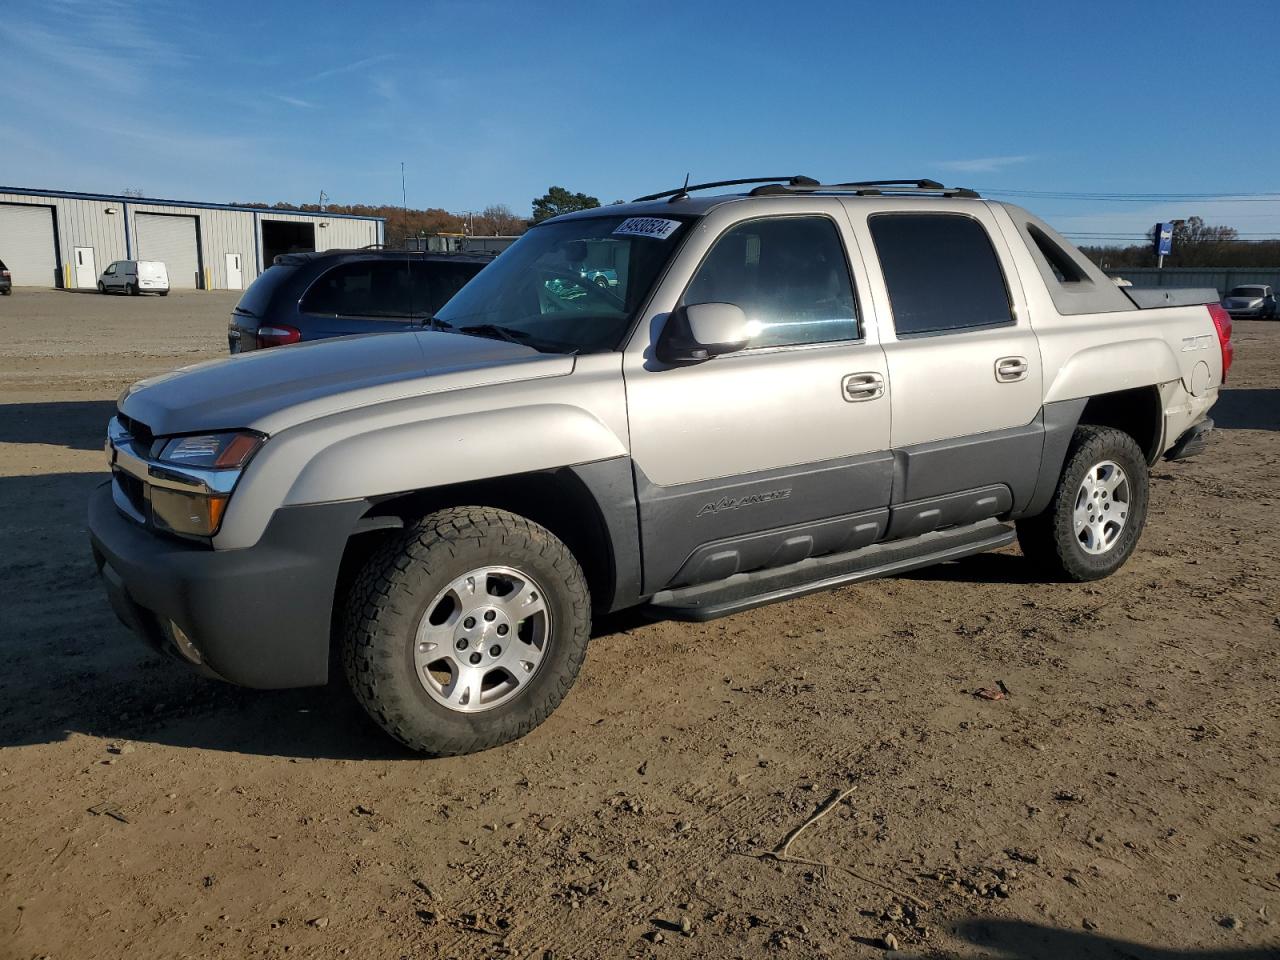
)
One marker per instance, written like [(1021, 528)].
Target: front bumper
[(1247, 313), (258, 617)]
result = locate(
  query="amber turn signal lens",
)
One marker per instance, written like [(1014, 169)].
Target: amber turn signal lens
[(192, 514)]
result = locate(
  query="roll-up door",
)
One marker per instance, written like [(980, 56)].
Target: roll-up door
[(172, 241), (26, 245)]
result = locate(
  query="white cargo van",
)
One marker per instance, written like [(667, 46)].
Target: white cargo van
[(134, 277)]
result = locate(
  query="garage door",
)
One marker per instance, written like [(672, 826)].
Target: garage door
[(26, 245), (172, 241)]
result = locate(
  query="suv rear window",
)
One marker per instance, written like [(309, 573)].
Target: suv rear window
[(257, 299), (942, 273)]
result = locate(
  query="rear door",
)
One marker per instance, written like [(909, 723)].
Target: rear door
[(964, 364), (777, 452)]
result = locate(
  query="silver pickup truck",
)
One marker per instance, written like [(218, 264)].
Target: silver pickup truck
[(789, 388)]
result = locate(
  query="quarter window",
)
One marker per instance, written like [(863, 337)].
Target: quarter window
[(941, 272), (789, 276)]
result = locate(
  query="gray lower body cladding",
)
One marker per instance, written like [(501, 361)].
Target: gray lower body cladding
[(747, 590), (706, 531), (259, 617), (1194, 441)]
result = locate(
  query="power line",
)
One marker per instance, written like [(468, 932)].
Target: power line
[(1223, 196)]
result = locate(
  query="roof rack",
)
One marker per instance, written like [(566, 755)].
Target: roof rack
[(680, 193), (868, 188)]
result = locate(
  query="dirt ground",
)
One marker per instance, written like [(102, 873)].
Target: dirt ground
[(1122, 801)]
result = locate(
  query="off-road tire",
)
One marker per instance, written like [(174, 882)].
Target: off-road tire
[(389, 598), (1049, 539)]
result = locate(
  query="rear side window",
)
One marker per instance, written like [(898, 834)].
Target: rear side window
[(788, 274), (941, 271), (363, 288), (1065, 269)]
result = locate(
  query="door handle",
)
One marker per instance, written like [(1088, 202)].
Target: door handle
[(862, 386), (1011, 369)]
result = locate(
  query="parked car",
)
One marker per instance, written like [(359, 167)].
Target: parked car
[(6, 280), (336, 293), (789, 390), (1254, 301), (134, 277), (601, 276)]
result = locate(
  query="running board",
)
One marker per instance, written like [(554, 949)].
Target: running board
[(744, 591)]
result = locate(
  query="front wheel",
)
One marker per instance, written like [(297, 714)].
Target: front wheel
[(1098, 509), (101, 288), (467, 631)]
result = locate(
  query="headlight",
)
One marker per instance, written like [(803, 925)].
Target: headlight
[(212, 451)]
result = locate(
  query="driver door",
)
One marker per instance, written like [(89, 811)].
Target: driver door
[(779, 451)]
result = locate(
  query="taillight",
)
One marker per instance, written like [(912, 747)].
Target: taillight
[(5, 274), (278, 336), (1222, 323)]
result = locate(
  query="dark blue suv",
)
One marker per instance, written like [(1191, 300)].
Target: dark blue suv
[(312, 296)]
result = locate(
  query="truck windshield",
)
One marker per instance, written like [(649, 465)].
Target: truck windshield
[(568, 287)]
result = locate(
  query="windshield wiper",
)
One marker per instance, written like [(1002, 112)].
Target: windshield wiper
[(492, 330)]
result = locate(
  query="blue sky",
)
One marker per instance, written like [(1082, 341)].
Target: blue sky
[(490, 101)]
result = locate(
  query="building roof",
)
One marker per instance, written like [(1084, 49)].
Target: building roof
[(114, 198)]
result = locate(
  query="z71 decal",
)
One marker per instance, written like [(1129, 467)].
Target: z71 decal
[(750, 500)]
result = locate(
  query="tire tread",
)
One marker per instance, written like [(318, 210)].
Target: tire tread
[(403, 567)]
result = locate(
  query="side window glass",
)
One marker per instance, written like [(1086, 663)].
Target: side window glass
[(789, 276), (941, 272), (111, 270), (435, 283), (366, 288)]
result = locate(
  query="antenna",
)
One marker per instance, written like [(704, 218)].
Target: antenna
[(408, 262), (683, 193)]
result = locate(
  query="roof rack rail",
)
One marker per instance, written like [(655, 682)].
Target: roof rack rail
[(866, 188), (681, 193)]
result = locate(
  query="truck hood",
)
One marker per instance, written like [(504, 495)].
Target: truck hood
[(270, 390)]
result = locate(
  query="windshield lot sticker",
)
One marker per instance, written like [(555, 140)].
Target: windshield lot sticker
[(658, 228)]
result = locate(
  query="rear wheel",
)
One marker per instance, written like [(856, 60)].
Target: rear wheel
[(1097, 512), (467, 631), (131, 289)]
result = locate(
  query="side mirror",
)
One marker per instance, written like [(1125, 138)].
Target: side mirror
[(701, 331)]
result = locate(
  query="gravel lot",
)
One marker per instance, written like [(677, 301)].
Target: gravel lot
[(1123, 801)]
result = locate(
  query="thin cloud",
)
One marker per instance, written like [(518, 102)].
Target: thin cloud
[(294, 101), (983, 164), (350, 67)]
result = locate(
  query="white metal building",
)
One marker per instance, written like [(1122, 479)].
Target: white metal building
[(55, 238)]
